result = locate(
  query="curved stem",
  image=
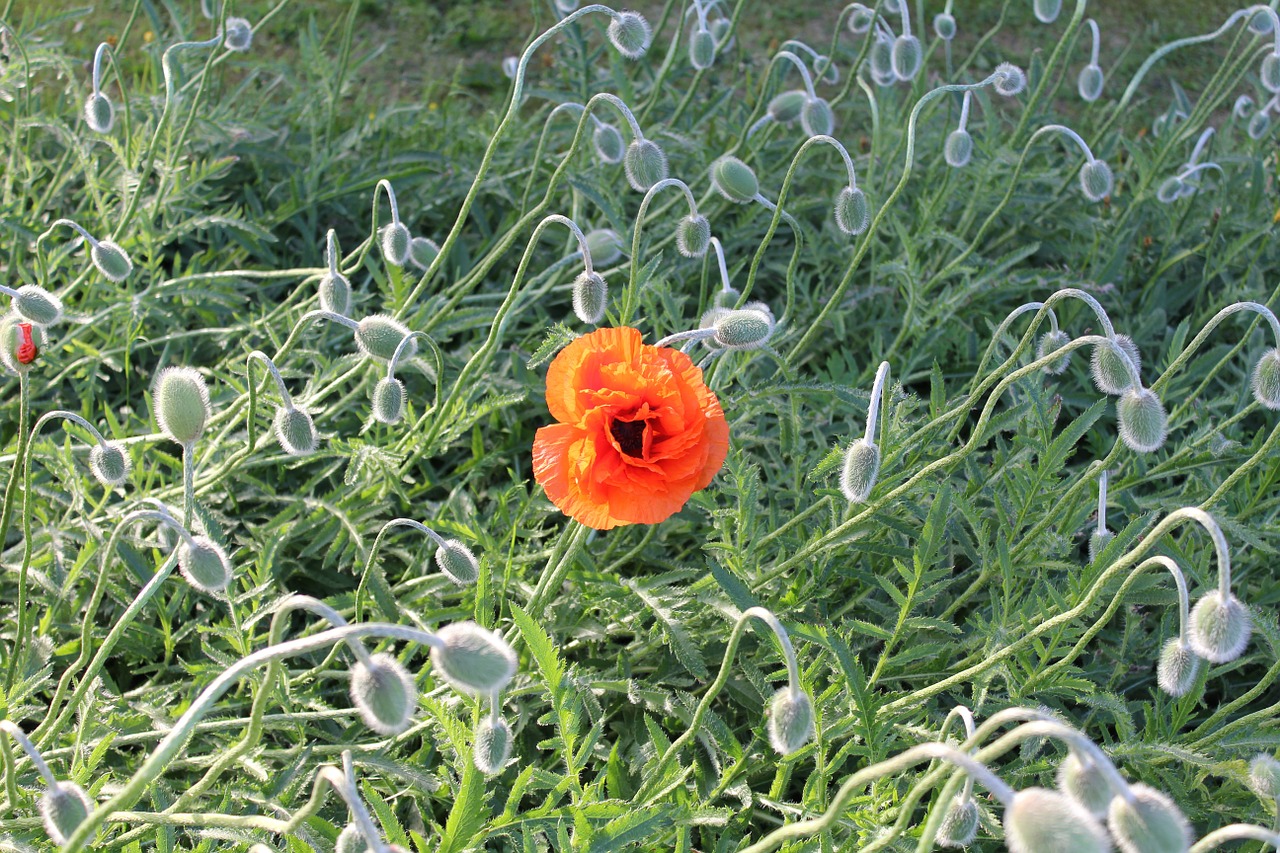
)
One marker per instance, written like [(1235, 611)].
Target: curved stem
[(725, 286), (275, 374), (30, 749), (1093, 53), (1236, 832), (964, 111), (372, 837), (627, 115), (1180, 581), (635, 234), (804, 70), (877, 391), (1070, 134), (372, 559), (1200, 146)]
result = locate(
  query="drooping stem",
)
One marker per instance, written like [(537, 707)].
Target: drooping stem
[(1102, 501), (372, 559), (801, 67), (1093, 53), (877, 392), (964, 111), (32, 753), (1236, 832)]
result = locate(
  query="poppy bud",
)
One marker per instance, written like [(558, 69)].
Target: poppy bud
[(37, 305), (1266, 380), (1090, 83), (693, 235), (1110, 375), (944, 26), (907, 54), (204, 564), (20, 343), (109, 463), (181, 400), (1150, 823), (351, 840), (1081, 779), (295, 430), (726, 297), (457, 562), (702, 49), (111, 260), (99, 114), (1220, 628), (335, 293), (861, 19), (63, 808), (1259, 124), (881, 60), (472, 659), (645, 164), (590, 297), (1270, 72), (861, 467), (1009, 79), (790, 720), (1047, 10), (608, 143), (492, 745), (630, 34), (1242, 106), (960, 823), (605, 246), (510, 65), (384, 694), (851, 211), (1038, 820), (744, 329), (1169, 190), (1264, 776), (734, 179), (1144, 425), (1095, 180), (786, 106), (721, 28), (1178, 667), (388, 400), (1260, 23), (395, 239), (816, 117), (1098, 540), (238, 35), (422, 252), (378, 336), (1051, 342), (958, 148)]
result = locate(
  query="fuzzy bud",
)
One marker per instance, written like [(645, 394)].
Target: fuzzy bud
[(630, 34), (744, 329), (351, 840), (1178, 667), (37, 305), (881, 59), (109, 463), (590, 297), (1170, 189), (1220, 628), (205, 565), (510, 65), (1269, 72), (181, 400), (734, 179), (492, 746), (335, 293), (1110, 375), (63, 808), (238, 35), (907, 55), (861, 19), (394, 239), (379, 335), (958, 148), (605, 246), (608, 142), (861, 467), (1266, 380), (816, 117), (1051, 342), (295, 430), (790, 720), (1144, 424), (1260, 23), (1081, 779), (693, 235), (1096, 181), (1089, 83), (388, 400), (384, 694), (1010, 80), (1047, 10), (111, 260), (1259, 125), (960, 823), (1099, 540), (1264, 777), (786, 106), (473, 659), (702, 49), (422, 252), (20, 343), (852, 212), (1039, 820), (944, 26), (1151, 823), (645, 164), (457, 562), (99, 114)]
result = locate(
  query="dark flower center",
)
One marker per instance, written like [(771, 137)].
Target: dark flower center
[(630, 436)]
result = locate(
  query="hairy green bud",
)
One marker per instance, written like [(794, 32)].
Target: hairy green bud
[(816, 117), (1047, 10), (63, 808), (238, 35), (1266, 380), (960, 823), (109, 463), (205, 565), (1089, 83), (744, 328), (99, 114), (1051, 342), (394, 239), (1144, 424), (1096, 181), (1039, 821), (379, 335), (111, 260), (852, 212), (1150, 823), (907, 56), (944, 26), (388, 400), (790, 720), (1220, 627), (37, 305), (605, 246), (1264, 777), (734, 179), (423, 252), (608, 142), (295, 430), (181, 400), (1010, 80), (590, 297), (384, 694), (1178, 667), (861, 467), (630, 34), (958, 148), (702, 49), (693, 235), (1081, 779), (335, 293), (1110, 375), (473, 659), (645, 164), (785, 107), (492, 747), (457, 562)]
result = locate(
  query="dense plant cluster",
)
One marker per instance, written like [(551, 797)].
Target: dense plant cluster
[(811, 332)]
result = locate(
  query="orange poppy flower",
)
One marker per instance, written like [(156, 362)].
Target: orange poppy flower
[(638, 432)]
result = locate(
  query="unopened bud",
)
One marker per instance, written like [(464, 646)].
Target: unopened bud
[(205, 565), (1259, 124), (1047, 10), (422, 252), (394, 239), (99, 114), (510, 65), (1051, 342), (630, 34), (388, 400), (1178, 667), (608, 142), (1269, 73), (734, 179), (1009, 79), (693, 235), (37, 305), (1144, 424), (1110, 374), (960, 823), (1081, 779), (1089, 83), (1170, 189), (109, 463), (1099, 540), (605, 246), (63, 808), (473, 659), (958, 148), (816, 117), (379, 335), (1264, 777), (238, 35), (1096, 181), (786, 106), (296, 431), (861, 19), (702, 49), (384, 694), (492, 745), (1039, 820), (744, 329), (351, 840), (1260, 23), (790, 720), (1149, 823), (852, 212), (1266, 380), (457, 562), (907, 55), (335, 293), (1220, 627), (881, 60), (20, 343), (944, 26), (590, 297), (181, 400), (861, 467), (645, 164), (111, 260)]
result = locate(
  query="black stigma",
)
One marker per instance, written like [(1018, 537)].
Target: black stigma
[(630, 436)]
